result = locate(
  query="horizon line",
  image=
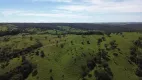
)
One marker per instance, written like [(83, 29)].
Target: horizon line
[(71, 22)]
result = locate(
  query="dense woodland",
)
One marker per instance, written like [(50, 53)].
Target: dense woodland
[(110, 27)]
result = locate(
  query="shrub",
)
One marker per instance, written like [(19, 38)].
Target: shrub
[(62, 46), (37, 53), (51, 78), (88, 42), (89, 75), (91, 65), (31, 38), (115, 54), (138, 72), (105, 64), (72, 42), (42, 54), (103, 38), (50, 70), (102, 75), (35, 72), (82, 43)]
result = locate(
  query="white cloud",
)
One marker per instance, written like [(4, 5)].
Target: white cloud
[(10, 12), (73, 8), (106, 6), (86, 10), (58, 14)]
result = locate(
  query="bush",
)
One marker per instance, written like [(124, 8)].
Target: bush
[(139, 72), (84, 74), (133, 58), (35, 72), (108, 70), (91, 64), (37, 53), (88, 42), (115, 54), (31, 38), (50, 71), (82, 43), (51, 78), (62, 46), (42, 54), (103, 38), (102, 75), (89, 75), (72, 42), (99, 41), (23, 58), (105, 64)]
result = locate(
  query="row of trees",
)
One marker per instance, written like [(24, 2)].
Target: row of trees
[(136, 55), (100, 64), (12, 31), (6, 53), (21, 72)]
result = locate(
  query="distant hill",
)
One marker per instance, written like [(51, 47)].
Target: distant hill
[(108, 27)]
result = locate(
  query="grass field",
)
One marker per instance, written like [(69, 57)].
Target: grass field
[(65, 55)]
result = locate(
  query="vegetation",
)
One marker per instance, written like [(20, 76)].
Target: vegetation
[(70, 51)]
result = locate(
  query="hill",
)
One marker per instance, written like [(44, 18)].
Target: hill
[(70, 53)]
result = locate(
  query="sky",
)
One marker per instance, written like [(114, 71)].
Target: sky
[(88, 11)]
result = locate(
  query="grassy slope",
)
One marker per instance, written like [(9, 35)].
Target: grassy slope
[(61, 60)]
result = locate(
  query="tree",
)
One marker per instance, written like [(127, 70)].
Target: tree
[(50, 70), (99, 41), (91, 64), (88, 42), (89, 75), (23, 58), (62, 45), (31, 38), (115, 54), (113, 44), (103, 38), (72, 42), (6, 39), (51, 78), (35, 72), (45, 37), (138, 72), (42, 54), (59, 36), (37, 53), (101, 74)]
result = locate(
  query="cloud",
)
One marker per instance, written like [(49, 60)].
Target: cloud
[(73, 8), (58, 14), (77, 10), (10, 12), (105, 6)]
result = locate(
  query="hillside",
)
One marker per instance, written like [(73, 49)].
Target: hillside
[(70, 53)]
